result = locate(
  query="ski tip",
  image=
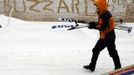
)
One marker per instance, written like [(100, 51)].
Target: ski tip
[(129, 31), (0, 26)]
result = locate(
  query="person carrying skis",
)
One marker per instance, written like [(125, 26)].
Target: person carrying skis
[(105, 25)]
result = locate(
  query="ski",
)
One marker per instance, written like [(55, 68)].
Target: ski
[(78, 27), (119, 24)]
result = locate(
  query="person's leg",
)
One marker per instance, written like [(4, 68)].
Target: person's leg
[(113, 53), (100, 45)]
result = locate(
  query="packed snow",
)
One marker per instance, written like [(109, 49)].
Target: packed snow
[(34, 48)]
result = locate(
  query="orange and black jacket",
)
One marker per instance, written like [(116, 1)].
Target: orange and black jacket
[(106, 25)]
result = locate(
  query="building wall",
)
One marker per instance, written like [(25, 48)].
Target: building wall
[(51, 10)]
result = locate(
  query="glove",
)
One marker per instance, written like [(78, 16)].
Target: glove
[(92, 25)]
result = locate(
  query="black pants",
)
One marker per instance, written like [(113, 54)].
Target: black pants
[(100, 45)]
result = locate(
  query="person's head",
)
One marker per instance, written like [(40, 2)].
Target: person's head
[(101, 6)]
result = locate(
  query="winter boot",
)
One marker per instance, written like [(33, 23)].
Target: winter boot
[(89, 67), (117, 63)]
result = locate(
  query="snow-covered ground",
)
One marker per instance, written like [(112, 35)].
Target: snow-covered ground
[(34, 48)]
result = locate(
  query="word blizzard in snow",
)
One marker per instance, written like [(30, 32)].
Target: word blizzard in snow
[(61, 5), (49, 5), (70, 8)]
